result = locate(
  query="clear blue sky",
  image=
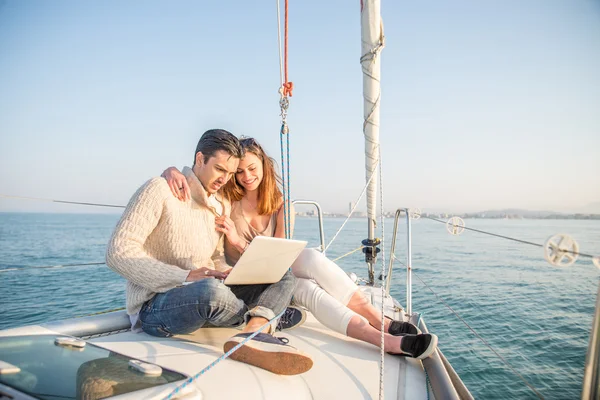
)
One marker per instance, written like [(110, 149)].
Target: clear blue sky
[(485, 104)]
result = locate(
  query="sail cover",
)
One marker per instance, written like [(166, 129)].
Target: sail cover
[(372, 44)]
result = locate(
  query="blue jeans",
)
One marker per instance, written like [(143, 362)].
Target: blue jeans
[(187, 308)]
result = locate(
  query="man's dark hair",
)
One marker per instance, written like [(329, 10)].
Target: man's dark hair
[(214, 140)]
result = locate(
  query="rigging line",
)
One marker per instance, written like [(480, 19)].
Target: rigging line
[(382, 219), (427, 380), (285, 48), (102, 312), (285, 90), (286, 202), (279, 43), (104, 334), (348, 253), (477, 335), (289, 193), (507, 237), (352, 211), (26, 267), (61, 201)]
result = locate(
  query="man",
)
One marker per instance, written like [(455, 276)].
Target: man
[(172, 258)]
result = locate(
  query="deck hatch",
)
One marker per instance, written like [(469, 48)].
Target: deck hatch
[(49, 372)]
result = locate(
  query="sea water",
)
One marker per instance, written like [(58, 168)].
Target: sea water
[(536, 316)]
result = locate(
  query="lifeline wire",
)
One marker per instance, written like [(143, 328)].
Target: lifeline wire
[(60, 201), (505, 237), (351, 211), (474, 332)]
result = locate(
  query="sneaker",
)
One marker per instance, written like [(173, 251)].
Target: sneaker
[(292, 318), (418, 346), (399, 328), (269, 352)]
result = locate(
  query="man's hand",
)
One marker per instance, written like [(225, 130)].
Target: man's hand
[(227, 271), (204, 273)]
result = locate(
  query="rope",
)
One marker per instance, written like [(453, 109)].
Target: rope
[(286, 41), (285, 226), (287, 86), (348, 253), (289, 193), (218, 360), (60, 201), (285, 181), (427, 381), (102, 312), (282, 81), (507, 237), (351, 211), (381, 216), (285, 90), (26, 267), (478, 336), (104, 334)]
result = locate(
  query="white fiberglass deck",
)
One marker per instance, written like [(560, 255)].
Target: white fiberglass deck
[(343, 367)]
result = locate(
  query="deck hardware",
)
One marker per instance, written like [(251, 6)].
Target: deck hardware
[(415, 213), (66, 341), (371, 249), (561, 250), (145, 368), (455, 225), (7, 368)]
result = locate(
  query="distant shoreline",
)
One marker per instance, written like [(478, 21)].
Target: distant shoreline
[(590, 217)]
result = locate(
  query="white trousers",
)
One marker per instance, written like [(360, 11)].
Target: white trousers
[(324, 289)]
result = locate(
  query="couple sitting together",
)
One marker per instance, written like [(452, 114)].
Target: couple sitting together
[(179, 235)]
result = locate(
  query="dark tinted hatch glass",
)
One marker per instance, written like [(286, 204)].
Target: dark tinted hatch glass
[(53, 372)]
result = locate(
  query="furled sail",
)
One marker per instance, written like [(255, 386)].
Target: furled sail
[(372, 44)]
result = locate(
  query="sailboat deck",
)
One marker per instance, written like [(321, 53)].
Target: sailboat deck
[(343, 367)]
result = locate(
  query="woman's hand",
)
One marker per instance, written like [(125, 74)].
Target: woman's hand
[(177, 183), (204, 273), (225, 225)]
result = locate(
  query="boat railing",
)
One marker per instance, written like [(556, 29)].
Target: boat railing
[(320, 215), (392, 256), (591, 378), (388, 280)]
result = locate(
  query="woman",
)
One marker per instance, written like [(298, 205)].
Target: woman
[(323, 287)]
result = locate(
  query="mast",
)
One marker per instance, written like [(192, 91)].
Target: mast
[(372, 44)]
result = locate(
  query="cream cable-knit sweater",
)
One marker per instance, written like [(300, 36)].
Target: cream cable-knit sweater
[(160, 239)]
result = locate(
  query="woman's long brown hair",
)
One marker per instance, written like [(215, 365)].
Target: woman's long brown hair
[(269, 194)]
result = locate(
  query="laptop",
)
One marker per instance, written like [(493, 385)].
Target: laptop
[(265, 261)]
